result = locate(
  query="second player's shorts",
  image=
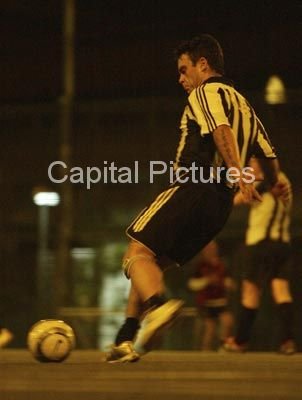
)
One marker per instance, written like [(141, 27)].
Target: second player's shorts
[(266, 260), (183, 219)]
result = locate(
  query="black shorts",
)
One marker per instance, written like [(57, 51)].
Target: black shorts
[(266, 260), (183, 219), (211, 312)]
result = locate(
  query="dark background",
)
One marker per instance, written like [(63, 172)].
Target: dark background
[(127, 106), (125, 48)]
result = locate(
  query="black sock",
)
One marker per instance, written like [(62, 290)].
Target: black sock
[(245, 323), (154, 301), (127, 331), (286, 317)]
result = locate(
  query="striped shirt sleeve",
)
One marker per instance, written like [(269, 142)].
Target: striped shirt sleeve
[(263, 147), (208, 109)]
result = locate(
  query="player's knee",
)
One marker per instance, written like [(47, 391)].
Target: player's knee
[(281, 291), (250, 294), (129, 261), (136, 252)]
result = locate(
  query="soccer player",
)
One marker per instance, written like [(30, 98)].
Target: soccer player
[(219, 131), (268, 262)]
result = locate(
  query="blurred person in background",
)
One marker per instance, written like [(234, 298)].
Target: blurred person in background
[(268, 262), (211, 285)]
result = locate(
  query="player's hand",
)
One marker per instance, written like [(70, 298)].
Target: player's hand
[(249, 192), (197, 284), (282, 190)]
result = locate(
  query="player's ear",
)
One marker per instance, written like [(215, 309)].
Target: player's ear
[(202, 63)]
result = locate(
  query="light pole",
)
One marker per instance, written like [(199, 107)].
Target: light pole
[(65, 224), (44, 199)]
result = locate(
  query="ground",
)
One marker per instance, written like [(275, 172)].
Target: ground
[(167, 375)]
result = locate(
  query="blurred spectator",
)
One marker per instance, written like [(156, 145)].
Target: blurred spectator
[(211, 286)]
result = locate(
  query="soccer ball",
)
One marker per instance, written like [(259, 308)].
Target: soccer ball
[(50, 340)]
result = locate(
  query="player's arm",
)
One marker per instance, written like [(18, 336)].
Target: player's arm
[(215, 121), (270, 168), (239, 199), (228, 148), (266, 156), (279, 187), (197, 284)]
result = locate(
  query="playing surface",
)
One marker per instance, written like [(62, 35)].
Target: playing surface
[(159, 375)]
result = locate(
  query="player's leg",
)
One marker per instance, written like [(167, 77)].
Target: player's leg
[(122, 350), (145, 297), (254, 276), (128, 330), (284, 303), (250, 298), (209, 330), (281, 291), (226, 325), (249, 306), (146, 276), (282, 295)]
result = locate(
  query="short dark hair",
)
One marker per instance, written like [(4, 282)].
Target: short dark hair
[(203, 46)]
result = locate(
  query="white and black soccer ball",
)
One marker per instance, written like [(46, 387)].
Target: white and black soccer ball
[(51, 340)]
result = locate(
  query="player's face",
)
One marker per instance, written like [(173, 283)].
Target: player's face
[(189, 74)]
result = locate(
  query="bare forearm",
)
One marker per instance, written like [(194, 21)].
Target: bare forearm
[(238, 199), (227, 146)]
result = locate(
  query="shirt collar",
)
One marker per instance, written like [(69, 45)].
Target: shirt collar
[(219, 79)]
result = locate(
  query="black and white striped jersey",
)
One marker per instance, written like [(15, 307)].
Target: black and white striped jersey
[(269, 219), (212, 104)]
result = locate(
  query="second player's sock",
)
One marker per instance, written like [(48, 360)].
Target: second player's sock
[(245, 323)]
